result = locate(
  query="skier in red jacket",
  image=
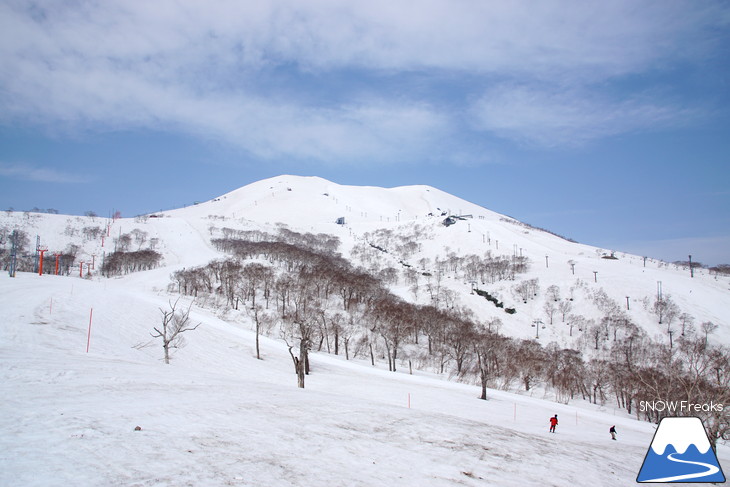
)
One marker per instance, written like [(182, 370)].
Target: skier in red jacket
[(553, 423)]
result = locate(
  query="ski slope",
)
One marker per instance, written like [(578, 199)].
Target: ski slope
[(217, 416)]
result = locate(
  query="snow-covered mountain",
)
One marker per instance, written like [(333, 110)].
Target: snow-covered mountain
[(80, 368), (590, 278), (312, 204)]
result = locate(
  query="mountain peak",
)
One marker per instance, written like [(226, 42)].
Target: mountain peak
[(307, 201)]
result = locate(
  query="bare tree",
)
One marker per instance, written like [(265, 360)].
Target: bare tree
[(565, 307), (459, 337), (666, 310), (486, 348), (529, 358), (174, 324), (260, 319), (708, 327), (123, 242), (553, 292), (549, 309), (298, 331), (686, 321), (598, 376), (140, 237)]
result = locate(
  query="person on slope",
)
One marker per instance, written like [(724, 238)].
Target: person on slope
[(553, 423), (613, 432)]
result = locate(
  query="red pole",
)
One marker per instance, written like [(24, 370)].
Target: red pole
[(88, 338), (81, 269), (40, 264), (57, 256)]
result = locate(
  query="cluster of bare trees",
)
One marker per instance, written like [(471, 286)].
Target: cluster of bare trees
[(720, 269), (691, 372), (318, 301), (527, 290), (19, 239), (123, 243), (402, 243), (320, 242), (119, 262), (92, 233)]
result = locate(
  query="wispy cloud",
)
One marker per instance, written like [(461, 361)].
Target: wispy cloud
[(27, 172), (329, 80), (560, 116)]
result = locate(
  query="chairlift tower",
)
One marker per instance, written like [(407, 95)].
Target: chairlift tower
[(536, 324), (41, 250), (37, 252), (13, 254), (57, 255)]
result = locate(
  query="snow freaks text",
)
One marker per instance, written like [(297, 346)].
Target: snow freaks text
[(679, 406)]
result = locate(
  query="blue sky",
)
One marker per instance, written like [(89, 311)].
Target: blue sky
[(605, 122)]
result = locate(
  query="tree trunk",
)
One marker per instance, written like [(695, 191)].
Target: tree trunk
[(483, 377), (300, 374), (258, 354)]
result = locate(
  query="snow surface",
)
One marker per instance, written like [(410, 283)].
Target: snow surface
[(218, 416)]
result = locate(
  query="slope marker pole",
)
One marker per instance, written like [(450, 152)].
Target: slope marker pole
[(88, 337)]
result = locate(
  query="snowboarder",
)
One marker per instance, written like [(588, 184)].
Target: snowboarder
[(613, 432), (553, 423)]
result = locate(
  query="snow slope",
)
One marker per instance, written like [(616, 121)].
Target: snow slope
[(217, 416)]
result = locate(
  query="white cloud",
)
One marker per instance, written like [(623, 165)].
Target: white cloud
[(205, 68), (569, 116), (29, 172)]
